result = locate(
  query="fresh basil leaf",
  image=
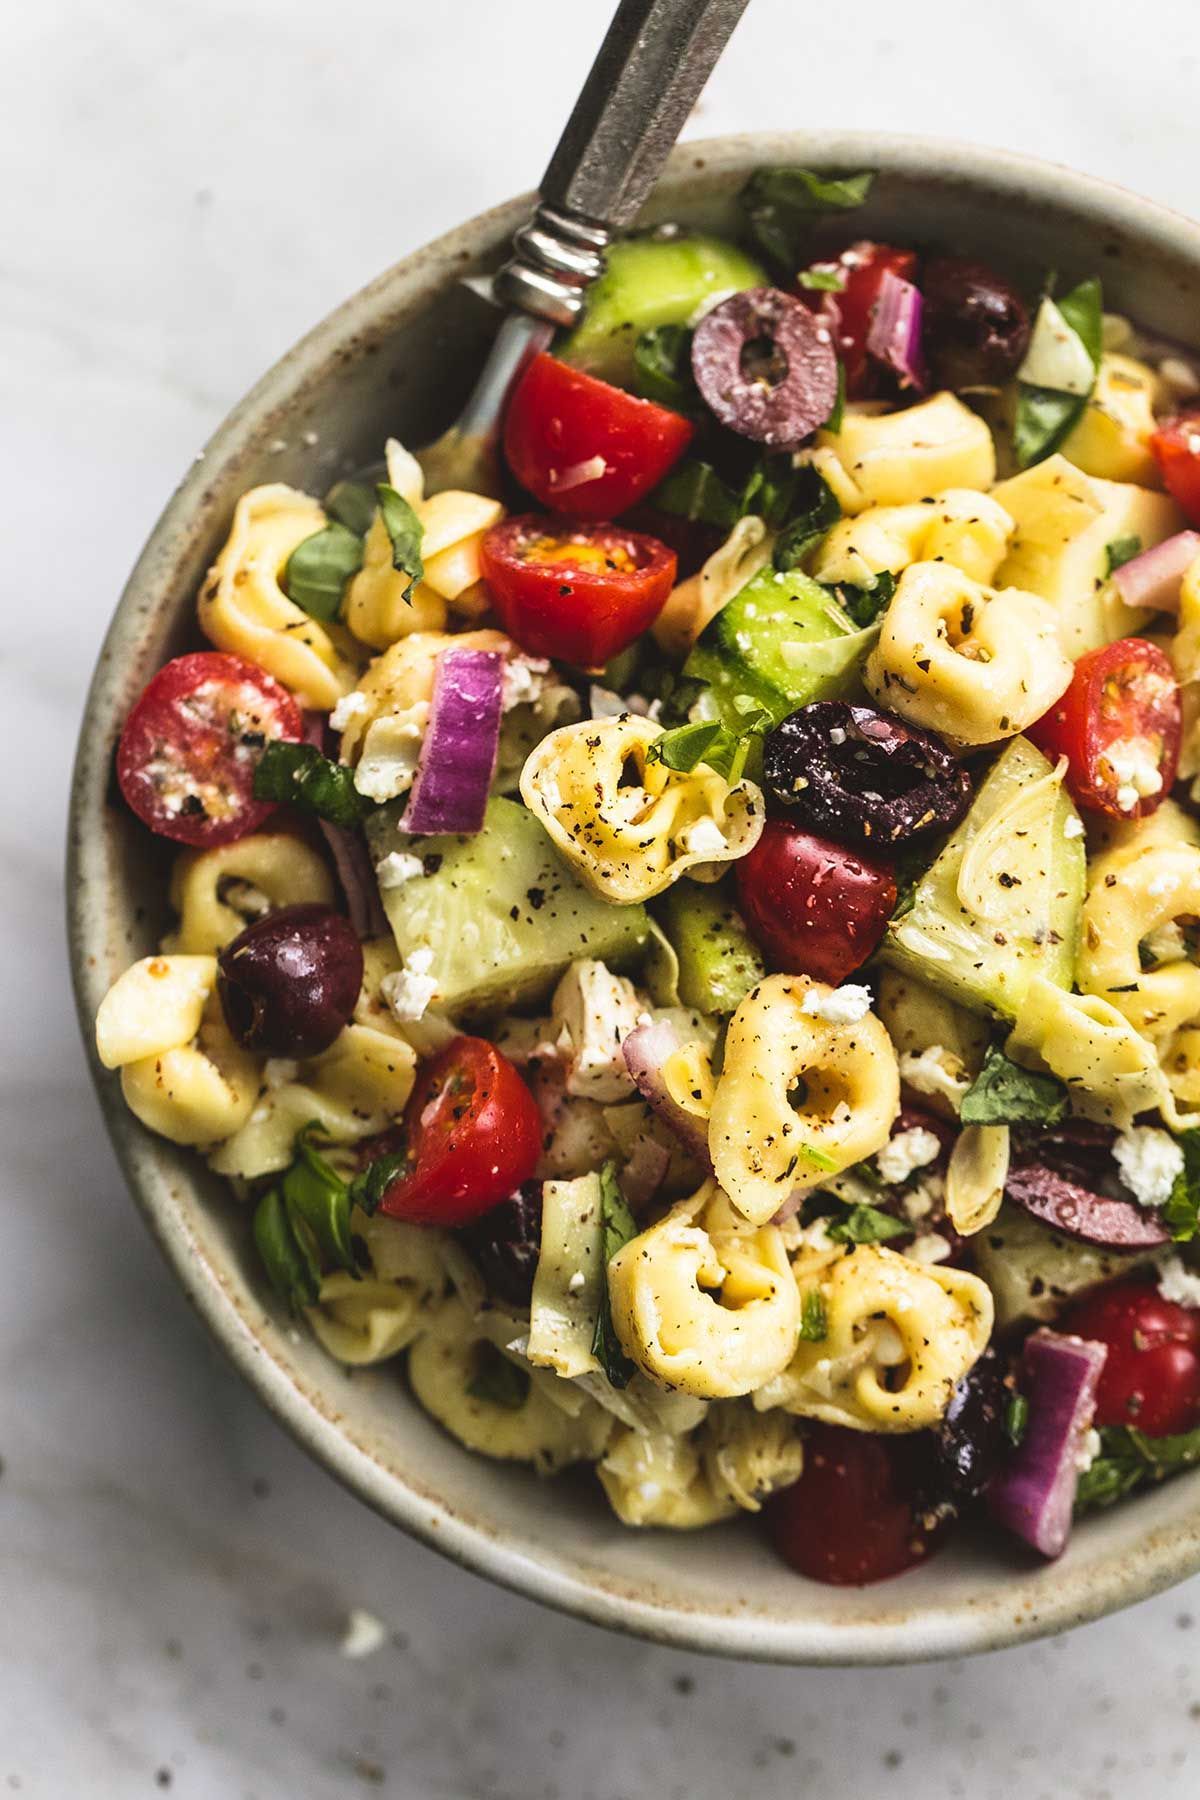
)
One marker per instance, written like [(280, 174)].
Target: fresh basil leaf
[(617, 1226), (707, 741), (687, 745), (807, 528), (1016, 1418), (352, 504), (867, 1225), (1043, 420), (319, 568), (865, 604), (497, 1380), (827, 279), (318, 1205), (1083, 309), (1003, 1093), (298, 775), (780, 205), (1130, 1459), (372, 1183), (1181, 1212), (814, 1320), (291, 1266), (406, 531), (1120, 551), (662, 366), (693, 490), (838, 410)]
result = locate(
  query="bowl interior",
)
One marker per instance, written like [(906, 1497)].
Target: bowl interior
[(397, 359)]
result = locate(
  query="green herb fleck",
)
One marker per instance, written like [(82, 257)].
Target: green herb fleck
[(867, 1225), (814, 1320), (1129, 1459), (1120, 551), (837, 411), (823, 278), (1182, 1209), (1016, 1418), (497, 1380), (866, 604), (1003, 1093)]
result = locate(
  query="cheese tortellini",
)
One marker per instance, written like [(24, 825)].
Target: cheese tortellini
[(658, 1478), (218, 892), (972, 662), (367, 1318), (702, 1302), (895, 458), (799, 1097), (968, 530), (1084, 1040), (1133, 952), (899, 1336), (630, 825), (243, 607)]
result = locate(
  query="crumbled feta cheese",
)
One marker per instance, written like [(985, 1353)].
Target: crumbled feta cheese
[(703, 838), (350, 707), (1149, 1161), (524, 679), (935, 1071), (837, 735), (604, 703), (1177, 1282), (278, 1071), (1089, 1450), (1073, 827), (1134, 767), (929, 1248), (577, 1281), (408, 991), (845, 1006), (364, 1633), (907, 1151), (595, 1011), (397, 867)]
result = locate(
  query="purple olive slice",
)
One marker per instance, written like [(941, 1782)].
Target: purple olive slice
[(1078, 1213), (862, 776), (766, 366)]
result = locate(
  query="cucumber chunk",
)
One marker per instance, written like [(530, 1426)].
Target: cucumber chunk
[(649, 281), (782, 641), (1002, 902), (501, 911), (718, 961)]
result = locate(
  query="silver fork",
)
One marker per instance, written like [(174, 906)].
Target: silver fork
[(653, 63)]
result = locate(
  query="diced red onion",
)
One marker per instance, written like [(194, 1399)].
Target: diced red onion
[(1152, 579), (895, 332), (644, 1173), (458, 756), (1035, 1493), (645, 1050)]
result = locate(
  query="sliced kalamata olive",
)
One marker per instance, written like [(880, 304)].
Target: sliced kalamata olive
[(1079, 1213), (506, 1243), (1080, 1150), (976, 325), (862, 775), (968, 1446), (290, 982), (766, 366)]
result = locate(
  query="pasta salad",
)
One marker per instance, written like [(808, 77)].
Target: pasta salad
[(696, 954)]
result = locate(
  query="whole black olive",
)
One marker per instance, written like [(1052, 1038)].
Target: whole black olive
[(969, 1444), (766, 366), (975, 324), (506, 1243), (290, 982), (863, 776)]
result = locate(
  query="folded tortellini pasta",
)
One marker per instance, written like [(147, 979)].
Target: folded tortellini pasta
[(1132, 951), (798, 1097), (218, 892), (657, 1478), (748, 1455), (899, 1336), (628, 824), (1111, 1070), (244, 609), (895, 458), (966, 529), (974, 663), (367, 1318)]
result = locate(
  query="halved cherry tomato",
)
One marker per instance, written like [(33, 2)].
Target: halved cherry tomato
[(1151, 1375), (187, 755), (1176, 447), (584, 447), (1119, 725), (573, 590), (815, 907), (855, 1514), (862, 267), (472, 1135)]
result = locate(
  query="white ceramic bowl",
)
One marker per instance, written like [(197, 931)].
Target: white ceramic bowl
[(398, 358)]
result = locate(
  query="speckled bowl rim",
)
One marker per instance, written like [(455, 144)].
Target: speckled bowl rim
[(1146, 1561)]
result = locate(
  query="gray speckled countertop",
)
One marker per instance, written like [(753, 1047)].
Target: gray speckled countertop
[(190, 186)]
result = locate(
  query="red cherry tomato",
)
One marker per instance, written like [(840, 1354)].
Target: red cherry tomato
[(1119, 725), (573, 590), (187, 755), (1176, 447), (1151, 1375), (815, 907), (472, 1135), (854, 1515), (862, 267), (584, 447)]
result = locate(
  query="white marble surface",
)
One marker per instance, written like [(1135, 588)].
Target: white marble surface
[(189, 184)]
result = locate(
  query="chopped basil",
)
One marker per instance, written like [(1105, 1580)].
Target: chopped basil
[(1016, 1418), (814, 1320), (837, 411), (1044, 415), (318, 1206), (1003, 1093), (298, 775), (1083, 309), (291, 1266), (406, 531), (823, 280), (1120, 551), (1182, 1209), (662, 366), (1129, 1459), (372, 1183), (617, 1226), (319, 568), (710, 742), (497, 1380), (808, 527), (780, 205), (352, 504), (865, 604), (695, 491), (867, 1225)]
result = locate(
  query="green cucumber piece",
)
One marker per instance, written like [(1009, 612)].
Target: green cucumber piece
[(502, 912), (1029, 878), (649, 281), (782, 641), (718, 961)]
